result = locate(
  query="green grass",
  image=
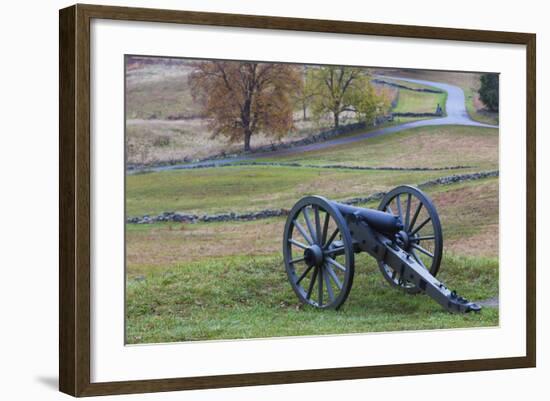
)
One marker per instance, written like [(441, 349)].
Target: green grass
[(226, 280), (442, 146), (210, 281), (248, 188), (249, 297), (419, 102)]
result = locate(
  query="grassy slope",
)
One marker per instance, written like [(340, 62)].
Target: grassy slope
[(424, 147), (250, 188), (249, 297)]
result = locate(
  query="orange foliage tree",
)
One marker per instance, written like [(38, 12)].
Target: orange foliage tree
[(244, 98)]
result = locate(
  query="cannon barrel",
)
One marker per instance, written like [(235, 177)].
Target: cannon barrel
[(383, 222)]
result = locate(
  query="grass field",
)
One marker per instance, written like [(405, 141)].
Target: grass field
[(420, 147), (249, 297), (410, 101), (226, 280), (419, 102), (182, 287), (251, 188)]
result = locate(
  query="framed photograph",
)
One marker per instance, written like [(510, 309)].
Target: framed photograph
[(249, 200)]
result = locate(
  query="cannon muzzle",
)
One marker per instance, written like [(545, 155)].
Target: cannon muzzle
[(382, 222)]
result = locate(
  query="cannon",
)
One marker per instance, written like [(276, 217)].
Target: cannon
[(322, 238)]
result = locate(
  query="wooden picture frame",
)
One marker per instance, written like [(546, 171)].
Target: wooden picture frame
[(74, 199)]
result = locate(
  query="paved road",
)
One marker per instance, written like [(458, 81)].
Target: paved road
[(456, 115)]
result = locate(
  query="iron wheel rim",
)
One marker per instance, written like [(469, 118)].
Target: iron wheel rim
[(422, 228), (326, 284)]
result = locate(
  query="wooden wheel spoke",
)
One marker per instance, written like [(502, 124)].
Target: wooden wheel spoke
[(309, 225), (303, 232), (298, 244), (317, 225), (300, 259), (335, 264), (408, 213), (423, 250), (303, 275), (328, 285), (423, 238), (399, 210), (333, 276), (333, 250), (415, 216), (325, 229), (417, 229), (333, 235), (311, 284)]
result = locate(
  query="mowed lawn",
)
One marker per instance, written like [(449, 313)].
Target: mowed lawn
[(226, 280), (419, 102)]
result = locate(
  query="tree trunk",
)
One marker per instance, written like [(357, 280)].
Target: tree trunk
[(336, 120), (247, 135), (304, 106)]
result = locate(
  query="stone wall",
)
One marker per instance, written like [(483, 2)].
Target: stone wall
[(267, 213)]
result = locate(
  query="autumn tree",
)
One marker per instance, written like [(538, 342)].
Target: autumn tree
[(305, 93), (345, 89), (244, 98)]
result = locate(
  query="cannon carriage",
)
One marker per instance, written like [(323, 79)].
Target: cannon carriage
[(404, 236)]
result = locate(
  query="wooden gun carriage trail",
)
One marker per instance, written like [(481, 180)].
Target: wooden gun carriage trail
[(404, 235)]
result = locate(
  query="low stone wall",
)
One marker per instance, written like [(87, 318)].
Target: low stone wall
[(207, 218), (452, 179), (418, 114), (320, 137), (267, 213), (323, 166)]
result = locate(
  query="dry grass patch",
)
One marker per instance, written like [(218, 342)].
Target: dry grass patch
[(419, 147), (171, 243)]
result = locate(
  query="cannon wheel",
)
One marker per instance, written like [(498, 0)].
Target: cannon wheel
[(318, 253), (421, 237)]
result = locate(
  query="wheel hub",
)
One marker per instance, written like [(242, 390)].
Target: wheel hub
[(403, 240), (313, 256)]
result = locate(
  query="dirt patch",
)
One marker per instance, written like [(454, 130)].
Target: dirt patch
[(484, 243)]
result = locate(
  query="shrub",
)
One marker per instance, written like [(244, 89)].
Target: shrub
[(161, 141), (488, 92)]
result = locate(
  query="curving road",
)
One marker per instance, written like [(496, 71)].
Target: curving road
[(456, 115)]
